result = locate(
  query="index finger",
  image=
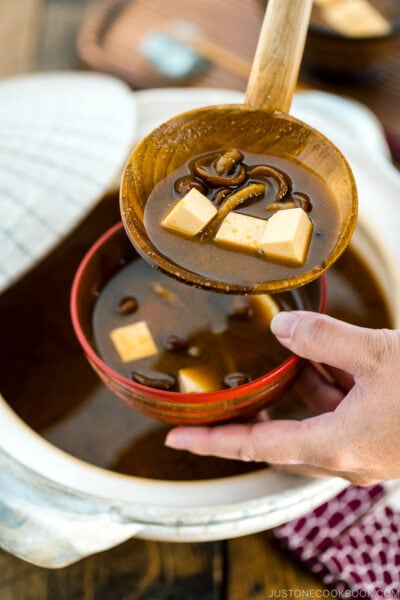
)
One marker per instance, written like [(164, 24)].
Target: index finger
[(310, 441)]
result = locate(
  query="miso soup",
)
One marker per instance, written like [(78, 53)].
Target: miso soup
[(223, 336), (257, 187)]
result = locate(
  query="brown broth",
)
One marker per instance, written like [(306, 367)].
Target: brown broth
[(203, 256), (208, 327)]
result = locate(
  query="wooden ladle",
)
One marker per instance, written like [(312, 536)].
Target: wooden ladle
[(261, 125)]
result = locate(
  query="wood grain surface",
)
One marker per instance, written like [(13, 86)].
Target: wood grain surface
[(37, 35)]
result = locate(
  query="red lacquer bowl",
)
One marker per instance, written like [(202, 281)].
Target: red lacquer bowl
[(102, 261)]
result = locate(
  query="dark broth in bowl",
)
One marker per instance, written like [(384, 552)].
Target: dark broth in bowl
[(191, 328)]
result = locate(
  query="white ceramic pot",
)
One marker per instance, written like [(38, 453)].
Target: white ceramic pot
[(55, 509)]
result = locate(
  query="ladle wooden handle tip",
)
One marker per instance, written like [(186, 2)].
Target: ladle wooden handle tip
[(278, 56)]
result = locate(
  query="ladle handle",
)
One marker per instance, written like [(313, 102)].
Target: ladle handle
[(277, 60)]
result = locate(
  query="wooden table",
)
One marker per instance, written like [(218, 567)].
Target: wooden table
[(37, 35)]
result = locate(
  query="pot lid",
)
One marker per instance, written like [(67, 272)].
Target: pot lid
[(64, 138)]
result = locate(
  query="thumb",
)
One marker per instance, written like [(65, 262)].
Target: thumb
[(324, 339)]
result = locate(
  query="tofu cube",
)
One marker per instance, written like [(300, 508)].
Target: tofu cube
[(190, 214), (198, 380), (240, 232), (264, 307), (287, 236), (133, 341), (354, 18)]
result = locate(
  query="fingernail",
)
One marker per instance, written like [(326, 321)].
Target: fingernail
[(284, 324), (175, 440)]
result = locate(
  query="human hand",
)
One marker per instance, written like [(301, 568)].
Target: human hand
[(354, 432)]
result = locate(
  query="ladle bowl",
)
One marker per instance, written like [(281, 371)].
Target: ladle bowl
[(261, 125), (256, 131)]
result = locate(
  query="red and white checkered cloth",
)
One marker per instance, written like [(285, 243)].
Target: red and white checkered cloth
[(351, 542)]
